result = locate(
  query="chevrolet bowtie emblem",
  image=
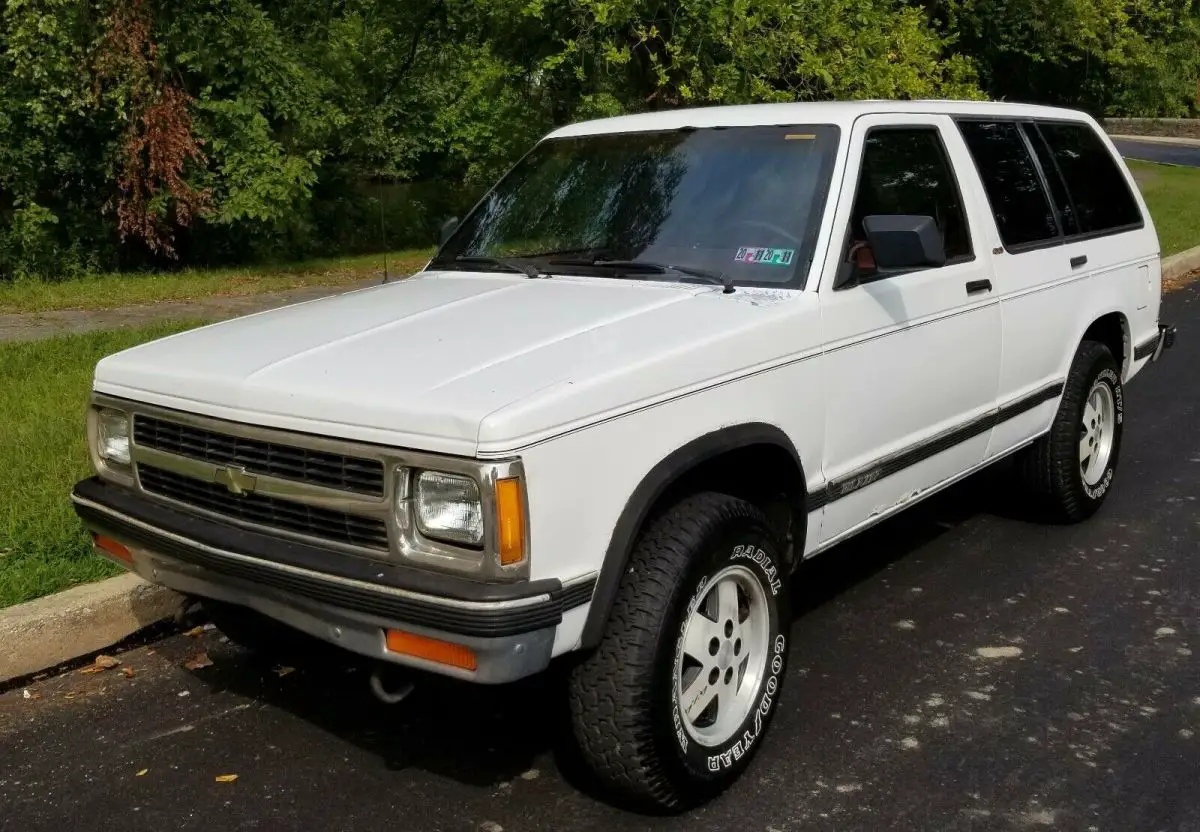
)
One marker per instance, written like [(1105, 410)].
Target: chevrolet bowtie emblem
[(235, 479)]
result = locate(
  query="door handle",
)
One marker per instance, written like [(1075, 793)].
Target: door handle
[(974, 287), (1076, 262)]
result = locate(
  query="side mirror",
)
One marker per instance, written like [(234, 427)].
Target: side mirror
[(447, 231), (904, 241)]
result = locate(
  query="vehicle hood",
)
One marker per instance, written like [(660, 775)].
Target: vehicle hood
[(436, 362)]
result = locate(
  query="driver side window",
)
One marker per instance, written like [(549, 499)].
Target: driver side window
[(906, 171)]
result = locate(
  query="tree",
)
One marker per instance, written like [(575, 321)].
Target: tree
[(1113, 57)]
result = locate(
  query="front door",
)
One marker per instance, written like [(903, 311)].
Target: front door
[(912, 359)]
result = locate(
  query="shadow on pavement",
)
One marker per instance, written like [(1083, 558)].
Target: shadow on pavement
[(486, 736)]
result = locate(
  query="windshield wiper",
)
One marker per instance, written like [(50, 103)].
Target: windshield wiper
[(655, 268), (591, 251), (527, 269)]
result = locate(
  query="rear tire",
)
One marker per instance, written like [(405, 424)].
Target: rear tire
[(701, 617), (1070, 470)]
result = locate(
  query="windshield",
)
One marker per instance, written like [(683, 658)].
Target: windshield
[(741, 202)]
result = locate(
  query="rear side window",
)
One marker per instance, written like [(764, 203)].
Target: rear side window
[(906, 171), (1100, 193), (1062, 200), (1010, 177)]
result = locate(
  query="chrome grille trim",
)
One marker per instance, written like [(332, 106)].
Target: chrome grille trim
[(283, 461), (262, 510), (392, 508)]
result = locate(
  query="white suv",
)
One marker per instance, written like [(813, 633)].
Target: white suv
[(665, 359)]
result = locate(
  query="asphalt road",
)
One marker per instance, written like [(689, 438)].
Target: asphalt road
[(891, 719), (1172, 154)]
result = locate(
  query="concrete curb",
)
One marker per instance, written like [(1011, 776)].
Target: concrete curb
[(1177, 265), (58, 628)]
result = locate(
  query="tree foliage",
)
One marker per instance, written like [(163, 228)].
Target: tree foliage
[(1113, 57), (145, 132)]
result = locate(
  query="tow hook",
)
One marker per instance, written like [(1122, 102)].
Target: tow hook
[(390, 686)]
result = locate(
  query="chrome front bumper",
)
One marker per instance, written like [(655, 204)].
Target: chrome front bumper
[(346, 601)]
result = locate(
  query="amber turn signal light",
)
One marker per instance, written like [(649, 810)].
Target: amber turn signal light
[(510, 521), (113, 548), (431, 649)]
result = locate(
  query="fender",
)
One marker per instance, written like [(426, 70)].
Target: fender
[(1091, 319), (653, 486)]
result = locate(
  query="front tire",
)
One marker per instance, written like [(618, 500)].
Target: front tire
[(676, 699), (1071, 469)]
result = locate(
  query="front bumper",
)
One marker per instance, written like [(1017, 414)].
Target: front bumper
[(345, 600), (1153, 348)]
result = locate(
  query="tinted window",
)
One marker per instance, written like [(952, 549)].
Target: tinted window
[(1023, 213), (907, 172), (1096, 185), (1062, 201), (741, 201)]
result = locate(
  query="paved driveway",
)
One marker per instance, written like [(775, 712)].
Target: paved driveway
[(1174, 154)]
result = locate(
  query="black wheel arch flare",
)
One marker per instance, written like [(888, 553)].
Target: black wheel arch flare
[(653, 486)]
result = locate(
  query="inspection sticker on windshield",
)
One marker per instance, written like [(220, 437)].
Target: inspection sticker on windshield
[(765, 256)]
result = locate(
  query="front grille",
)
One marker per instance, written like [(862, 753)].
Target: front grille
[(347, 473), (271, 512)]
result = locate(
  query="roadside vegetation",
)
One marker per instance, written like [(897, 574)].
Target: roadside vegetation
[(1173, 195), (43, 392), (115, 290), (145, 134)]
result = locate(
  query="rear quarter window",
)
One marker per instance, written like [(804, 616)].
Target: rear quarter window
[(1010, 177), (1095, 184)]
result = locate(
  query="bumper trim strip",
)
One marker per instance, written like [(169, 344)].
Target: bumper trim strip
[(497, 618), (1153, 348)]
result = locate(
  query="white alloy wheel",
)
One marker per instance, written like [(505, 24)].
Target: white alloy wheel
[(725, 651), (1097, 431)]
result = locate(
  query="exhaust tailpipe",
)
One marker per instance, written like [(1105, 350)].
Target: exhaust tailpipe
[(389, 686)]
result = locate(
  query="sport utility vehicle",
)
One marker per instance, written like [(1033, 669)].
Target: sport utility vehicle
[(664, 360)]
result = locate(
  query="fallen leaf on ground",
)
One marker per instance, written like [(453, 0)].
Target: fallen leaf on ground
[(101, 664), (195, 632), (128, 672), (998, 652), (283, 671), (142, 773), (198, 662), (226, 778)]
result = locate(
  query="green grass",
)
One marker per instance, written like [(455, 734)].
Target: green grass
[(1173, 195), (129, 289), (44, 387)]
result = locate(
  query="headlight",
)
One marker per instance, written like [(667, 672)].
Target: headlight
[(112, 437), (449, 508)]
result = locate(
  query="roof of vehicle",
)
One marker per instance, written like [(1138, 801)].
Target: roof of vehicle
[(841, 113)]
